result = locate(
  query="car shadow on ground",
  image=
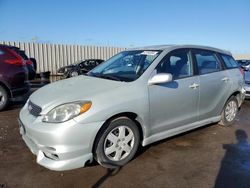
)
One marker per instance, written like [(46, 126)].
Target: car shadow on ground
[(109, 173), (142, 149), (112, 172), (14, 105), (235, 166)]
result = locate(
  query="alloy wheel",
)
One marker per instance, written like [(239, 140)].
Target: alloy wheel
[(119, 143), (2, 98), (231, 111)]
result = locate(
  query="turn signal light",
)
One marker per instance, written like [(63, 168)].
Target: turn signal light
[(85, 107)]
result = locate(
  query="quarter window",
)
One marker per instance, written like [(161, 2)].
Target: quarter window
[(229, 61), (176, 63), (207, 62)]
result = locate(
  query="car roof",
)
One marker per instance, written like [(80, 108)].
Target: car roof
[(82, 60), (172, 46), (8, 46)]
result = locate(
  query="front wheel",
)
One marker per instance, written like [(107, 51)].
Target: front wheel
[(229, 112), (117, 143)]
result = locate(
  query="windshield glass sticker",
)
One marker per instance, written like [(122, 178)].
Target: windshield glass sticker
[(149, 53)]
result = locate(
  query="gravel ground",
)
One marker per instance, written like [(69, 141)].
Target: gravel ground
[(212, 156)]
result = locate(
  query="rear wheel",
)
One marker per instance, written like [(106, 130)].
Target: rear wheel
[(117, 143), (229, 112), (4, 98)]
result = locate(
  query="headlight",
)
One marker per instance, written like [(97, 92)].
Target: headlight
[(66, 112)]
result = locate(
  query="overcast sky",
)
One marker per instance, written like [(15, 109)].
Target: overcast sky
[(219, 23)]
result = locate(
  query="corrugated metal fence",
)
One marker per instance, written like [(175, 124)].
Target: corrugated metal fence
[(52, 56)]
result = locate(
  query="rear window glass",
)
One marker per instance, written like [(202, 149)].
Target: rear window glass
[(207, 62), (229, 62), (1, 52), (21, 53)]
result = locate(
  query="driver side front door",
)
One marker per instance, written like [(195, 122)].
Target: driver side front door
[(174, 104)]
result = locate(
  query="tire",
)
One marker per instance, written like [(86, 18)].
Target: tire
[(228, 117), (111, 136), (4, 98)]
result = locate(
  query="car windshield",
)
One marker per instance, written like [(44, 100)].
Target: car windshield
[(77, 62), (126, 66)]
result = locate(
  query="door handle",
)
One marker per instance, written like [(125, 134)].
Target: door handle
[(225, 79), (194, 86)]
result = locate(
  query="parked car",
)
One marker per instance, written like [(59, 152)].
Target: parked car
[(139, 96), (245, 64), (13, 76), (34, 63), (29, 63), (79, 67), (247, 84)]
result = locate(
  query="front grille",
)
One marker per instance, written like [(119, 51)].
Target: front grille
[(247, 82), (248, 92), (34, 109)]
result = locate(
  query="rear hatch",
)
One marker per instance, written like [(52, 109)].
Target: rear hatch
[(15, 70)]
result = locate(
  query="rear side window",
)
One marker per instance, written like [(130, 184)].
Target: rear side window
[(207, 62), (21, 53), (1, 56), (5, 54), (1, 52), (229, 62)]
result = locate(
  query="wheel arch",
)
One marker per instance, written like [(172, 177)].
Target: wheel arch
[(237, 95), (6, 87), (131, 115)]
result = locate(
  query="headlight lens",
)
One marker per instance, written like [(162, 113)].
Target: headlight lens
[(66, 112)]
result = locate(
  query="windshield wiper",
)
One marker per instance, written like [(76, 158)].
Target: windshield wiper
[(109, 77), (106, 76)]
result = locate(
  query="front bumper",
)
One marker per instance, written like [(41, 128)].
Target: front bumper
[(59, 146)]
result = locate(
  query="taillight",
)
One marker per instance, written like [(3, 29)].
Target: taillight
[(15, 59), (29, 62)]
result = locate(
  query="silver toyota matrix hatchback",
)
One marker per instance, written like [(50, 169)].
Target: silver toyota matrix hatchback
[(137, 97)]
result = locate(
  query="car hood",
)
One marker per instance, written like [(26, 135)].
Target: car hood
[(247, 76), (72, 89)]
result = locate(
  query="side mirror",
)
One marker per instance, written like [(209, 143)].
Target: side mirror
[(160, 78)]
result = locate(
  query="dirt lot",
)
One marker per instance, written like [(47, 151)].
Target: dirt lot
[(212, 156)]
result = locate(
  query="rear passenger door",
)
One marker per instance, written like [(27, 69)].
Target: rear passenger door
[(214, 83)]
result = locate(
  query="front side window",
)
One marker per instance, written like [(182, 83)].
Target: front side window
[(126, 66), (229, 61), (177, 63), (207, 62)]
